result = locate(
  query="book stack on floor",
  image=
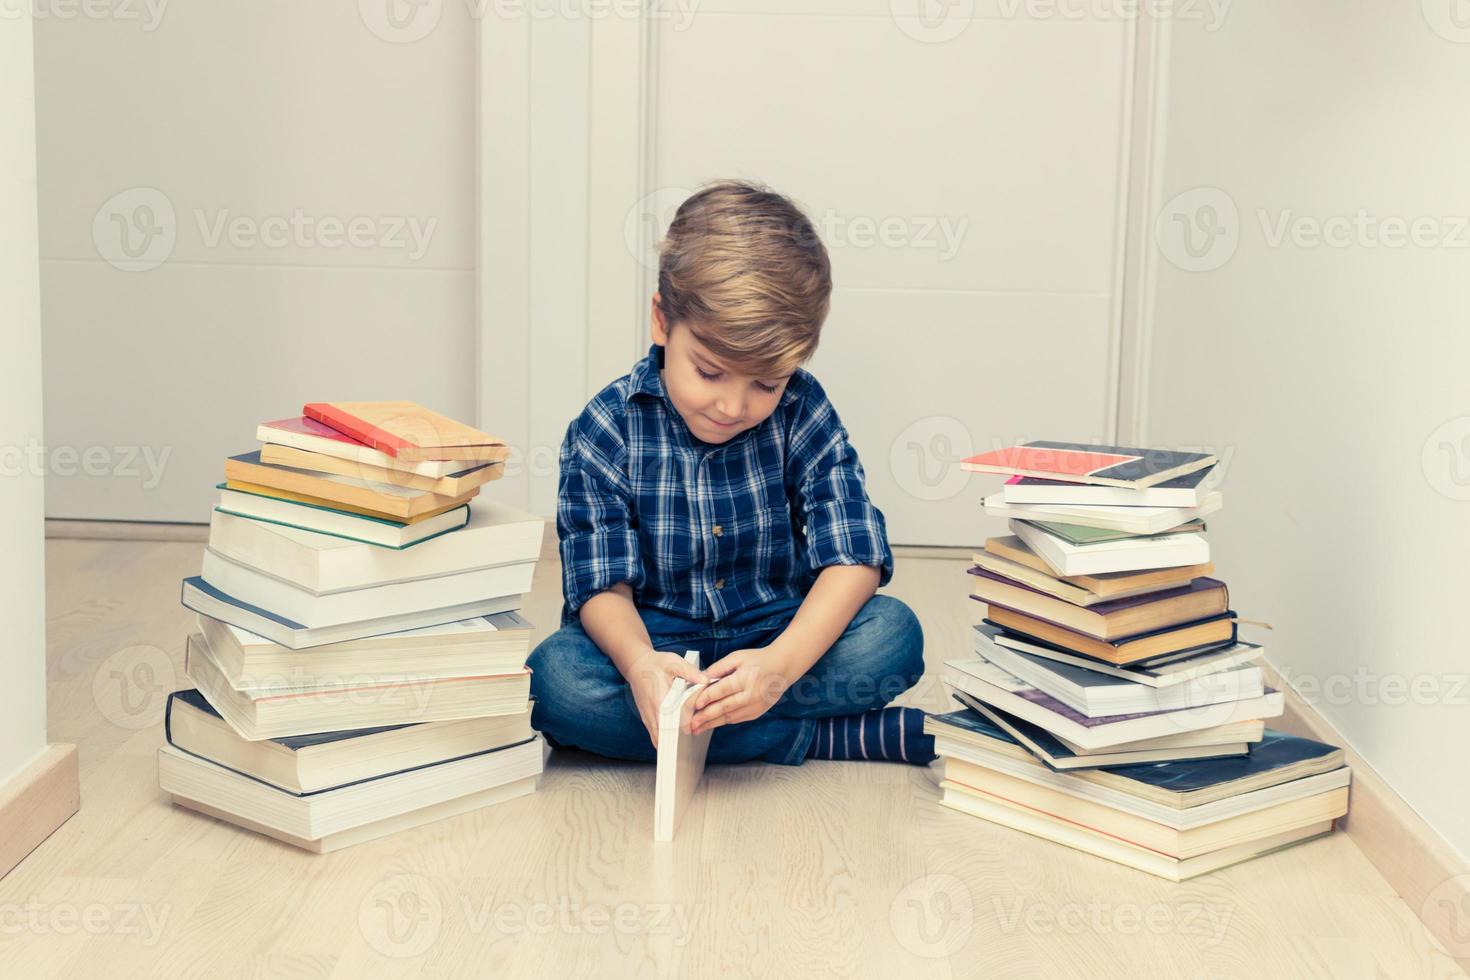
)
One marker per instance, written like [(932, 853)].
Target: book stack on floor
[(360, 666), (1110, 704)]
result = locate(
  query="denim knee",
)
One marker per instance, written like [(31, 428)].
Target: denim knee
[(896, 633)]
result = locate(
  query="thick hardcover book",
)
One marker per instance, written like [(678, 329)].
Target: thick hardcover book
[(1114, 466), (1112, 618)]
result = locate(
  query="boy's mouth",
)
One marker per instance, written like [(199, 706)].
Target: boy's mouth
[(721, 425)]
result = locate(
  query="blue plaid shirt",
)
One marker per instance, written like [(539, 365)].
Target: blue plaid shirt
[(707, 531)]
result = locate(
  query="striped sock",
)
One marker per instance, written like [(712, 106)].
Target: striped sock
[(894, 734)]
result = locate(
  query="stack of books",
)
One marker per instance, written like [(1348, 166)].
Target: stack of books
[(360, 666), (1110, 704)]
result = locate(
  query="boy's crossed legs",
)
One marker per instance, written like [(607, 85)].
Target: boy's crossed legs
[(583, 701)]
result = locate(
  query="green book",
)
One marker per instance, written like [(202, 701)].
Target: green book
[(1078, 535)]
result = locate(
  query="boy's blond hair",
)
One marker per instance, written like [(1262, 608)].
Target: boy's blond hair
[(744, 269)]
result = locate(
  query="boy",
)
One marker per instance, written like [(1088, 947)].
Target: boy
[(710, 500)]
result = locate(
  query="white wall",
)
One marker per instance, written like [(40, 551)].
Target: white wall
[(174, 117), (1333, 379), (988, 150), (22, 545)]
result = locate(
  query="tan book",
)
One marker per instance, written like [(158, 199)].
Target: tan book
[(1119, 851), (374, 499), (1174, 841), (454, 485), (1187, 636), (407, 430), (1113, 585), (1199, 599)]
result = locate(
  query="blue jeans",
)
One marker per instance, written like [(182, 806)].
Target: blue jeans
[(583, 701)]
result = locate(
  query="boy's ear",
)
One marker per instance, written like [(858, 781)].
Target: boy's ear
[(659, 327)]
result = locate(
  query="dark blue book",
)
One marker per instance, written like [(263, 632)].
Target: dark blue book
[(997, 730), (1277, 758)]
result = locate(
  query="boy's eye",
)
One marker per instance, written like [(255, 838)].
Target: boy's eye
[(706, 375)]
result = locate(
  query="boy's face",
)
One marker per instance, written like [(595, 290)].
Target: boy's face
[(716, 402)]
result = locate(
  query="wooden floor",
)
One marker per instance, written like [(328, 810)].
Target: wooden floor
[(827, 869)]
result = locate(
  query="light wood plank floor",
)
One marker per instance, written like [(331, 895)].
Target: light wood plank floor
[(827, 869)]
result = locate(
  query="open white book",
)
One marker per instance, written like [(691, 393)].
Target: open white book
[(680, 755)]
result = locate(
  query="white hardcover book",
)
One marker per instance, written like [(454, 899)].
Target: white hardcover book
[(1164, 674), (201, 597), (497, 534), (257, 588), (1096, 694), (1134, 520), (680, 755), (993, 685), (1128, 555), (1184, 491), (317, 815)]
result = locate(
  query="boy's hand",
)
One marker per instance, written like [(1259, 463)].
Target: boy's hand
[(743, 686), (650, 677)]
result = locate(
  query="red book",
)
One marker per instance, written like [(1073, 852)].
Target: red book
[(408, 431)]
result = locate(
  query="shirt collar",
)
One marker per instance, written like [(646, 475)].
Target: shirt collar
[(644, 379)]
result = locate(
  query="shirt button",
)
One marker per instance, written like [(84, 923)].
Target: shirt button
[(719, 583), (717, 530)]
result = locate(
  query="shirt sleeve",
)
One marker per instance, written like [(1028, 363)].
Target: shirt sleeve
[(595, 522), (843, 527)]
